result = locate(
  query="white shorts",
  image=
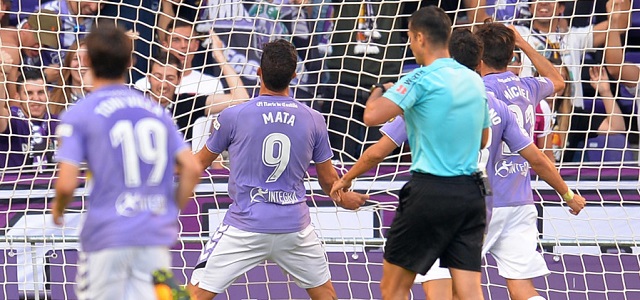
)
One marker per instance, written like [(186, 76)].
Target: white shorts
[(120, 273), (232, 252), (512, 239), (436, 272)]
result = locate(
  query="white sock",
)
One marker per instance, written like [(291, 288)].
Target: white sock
[(537, 298)]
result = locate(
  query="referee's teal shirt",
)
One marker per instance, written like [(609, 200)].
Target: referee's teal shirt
[(445, 110)]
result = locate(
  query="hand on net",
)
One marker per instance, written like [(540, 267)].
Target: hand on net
[(339, 186), (351, 200)]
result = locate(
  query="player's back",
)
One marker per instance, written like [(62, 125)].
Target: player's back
[(521, 94), (130, 145), (508, 171), (272, 141)]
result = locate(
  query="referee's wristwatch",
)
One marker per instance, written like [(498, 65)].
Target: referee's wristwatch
[(377, 85)]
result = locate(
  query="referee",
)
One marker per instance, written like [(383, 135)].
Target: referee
[(441, 213)]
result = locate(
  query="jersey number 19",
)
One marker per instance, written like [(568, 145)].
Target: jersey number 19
[(146, 142)]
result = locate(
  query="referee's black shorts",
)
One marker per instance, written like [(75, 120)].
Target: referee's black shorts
[(438, 217)]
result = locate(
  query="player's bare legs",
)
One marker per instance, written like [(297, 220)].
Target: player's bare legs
[(439, 289), (466, 284), (521, 289), (396, 281), (198, 293), (323, 292)]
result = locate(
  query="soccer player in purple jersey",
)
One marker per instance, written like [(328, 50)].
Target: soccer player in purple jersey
[(512, 233), (132, 148), (272, 140)]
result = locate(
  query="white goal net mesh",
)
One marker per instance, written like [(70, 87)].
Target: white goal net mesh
[(344, 48)]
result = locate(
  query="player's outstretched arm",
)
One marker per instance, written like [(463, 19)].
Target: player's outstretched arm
[(65, 186), (543, 65), (327, 176), (205, 157), (369, 159), (548, 172), (189, 170)]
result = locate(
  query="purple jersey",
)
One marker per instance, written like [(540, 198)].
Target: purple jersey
[(130, 144), (521, 94), (508, 173), (395, 130), (26, 142), (271, 141)]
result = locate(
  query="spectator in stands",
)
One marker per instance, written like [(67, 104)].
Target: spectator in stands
[(612, 121), (551, 37), (74, 84), (32, 43), (627, 72), (139, 16), (182, 42), (288, 19), (76, 18), (5, 6), (164, 77), (498, 10), (558, 107), (570, 45), (26, 130), (352, 71)]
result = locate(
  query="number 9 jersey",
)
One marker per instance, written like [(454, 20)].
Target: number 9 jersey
[(271, 142)]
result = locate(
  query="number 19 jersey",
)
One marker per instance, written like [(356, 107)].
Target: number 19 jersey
[(130, 145), (271, 142)]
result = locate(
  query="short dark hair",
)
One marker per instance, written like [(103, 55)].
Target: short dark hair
[(165, 58), (278, 64), (434, 23), (502, 42), (27, 74), (466, 48), (110, 50), (177, 23)]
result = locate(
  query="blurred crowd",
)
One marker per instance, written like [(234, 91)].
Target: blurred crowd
[(197, 57)]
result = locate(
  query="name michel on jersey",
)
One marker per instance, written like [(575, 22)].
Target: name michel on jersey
[(111, 105), (513, 91)]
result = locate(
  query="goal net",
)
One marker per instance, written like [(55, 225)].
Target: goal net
[(344, 47)]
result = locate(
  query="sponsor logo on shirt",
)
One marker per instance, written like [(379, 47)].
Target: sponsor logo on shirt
[(401, 89), (277, 197), (130, 204), (505, 168)]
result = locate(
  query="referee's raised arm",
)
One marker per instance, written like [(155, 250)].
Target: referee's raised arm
[(380, 109)]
